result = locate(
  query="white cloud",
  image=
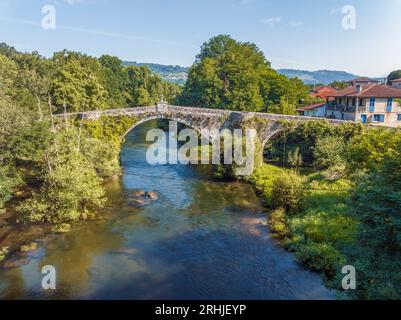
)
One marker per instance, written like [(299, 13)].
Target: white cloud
[(296, 24), (271, 22)]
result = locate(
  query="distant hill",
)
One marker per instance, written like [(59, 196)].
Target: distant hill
[(320, 76), (174, 74), (178, 74)]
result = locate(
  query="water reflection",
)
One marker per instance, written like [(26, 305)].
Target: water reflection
[(200, 240)]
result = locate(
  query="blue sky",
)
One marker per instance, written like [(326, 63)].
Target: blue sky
[(302, 34)]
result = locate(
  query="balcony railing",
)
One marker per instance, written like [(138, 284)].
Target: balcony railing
[(341, 108)]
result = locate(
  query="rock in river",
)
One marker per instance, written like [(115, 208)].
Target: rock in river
[(152, 195), (138, 194), (139, 202)]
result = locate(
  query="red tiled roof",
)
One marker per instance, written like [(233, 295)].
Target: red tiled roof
[(363, 79), (396, 80), (323, 92), (313, 106), (369, 90)]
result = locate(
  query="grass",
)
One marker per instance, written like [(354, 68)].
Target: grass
[(320, 230)]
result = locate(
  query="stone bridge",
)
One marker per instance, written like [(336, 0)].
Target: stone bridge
[(201, 119)]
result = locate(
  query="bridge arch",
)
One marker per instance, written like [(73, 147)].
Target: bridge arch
[(157, 117)]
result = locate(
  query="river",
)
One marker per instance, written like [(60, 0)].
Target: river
[(201, 240)]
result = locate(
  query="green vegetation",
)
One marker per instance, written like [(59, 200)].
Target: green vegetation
[(3, 253), (342, 207), (173, 74), (233, 75), (335, 200), (60, 164), (393, 75), (339, 85), (319, 77)]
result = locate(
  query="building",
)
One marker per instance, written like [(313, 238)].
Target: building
[(315, 110), (396, 83), (370, 103), (322, 92), (362, 81)]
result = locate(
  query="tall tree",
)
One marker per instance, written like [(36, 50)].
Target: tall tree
[(393, 75), (235, 75), (145, 88), (227, 74), (78, 82), (339, 85), (116, 80)]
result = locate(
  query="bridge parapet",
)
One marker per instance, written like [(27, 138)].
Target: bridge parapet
[(164, 108)]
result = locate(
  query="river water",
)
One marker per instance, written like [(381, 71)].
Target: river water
[(201, 240)]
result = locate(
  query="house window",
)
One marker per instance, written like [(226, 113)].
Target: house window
[(398, 117), (378, 118), (353, 102), (372, 104), (389, 105), (340, 101), (361, 102)]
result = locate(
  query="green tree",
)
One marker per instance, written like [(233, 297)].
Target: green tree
[(71, 188), (275, 90), (377, 203), (8, 74), (116, 80), (329, 151), (8, 181), (339, 85), (145, 88), (34, 78), (78, 82), (393, 75), (227, 74), (368, 149)]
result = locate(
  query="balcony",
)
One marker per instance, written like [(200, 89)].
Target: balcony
[(342, 108)]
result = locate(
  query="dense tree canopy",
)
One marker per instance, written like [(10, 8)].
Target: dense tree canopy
[(234, 75), (66, 166), (393, 75), (339, 85)]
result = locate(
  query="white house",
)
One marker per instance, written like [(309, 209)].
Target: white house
[(371, 103)]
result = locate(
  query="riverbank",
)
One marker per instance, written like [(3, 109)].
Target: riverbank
[(319, 227), (178, 247)]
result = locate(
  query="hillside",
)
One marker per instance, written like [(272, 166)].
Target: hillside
[(320, 76), (174, 74), (178, 74)]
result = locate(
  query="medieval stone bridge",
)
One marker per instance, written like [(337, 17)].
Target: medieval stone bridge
[(201, 119)]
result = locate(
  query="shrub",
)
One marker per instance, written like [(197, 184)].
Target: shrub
[(288, 191), (278, 225), (294, 158), (367, 150), (321, 257), (71, 192), (263, 179), (329, 151)]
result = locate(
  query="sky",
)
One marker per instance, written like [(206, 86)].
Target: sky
[(297, 34)]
